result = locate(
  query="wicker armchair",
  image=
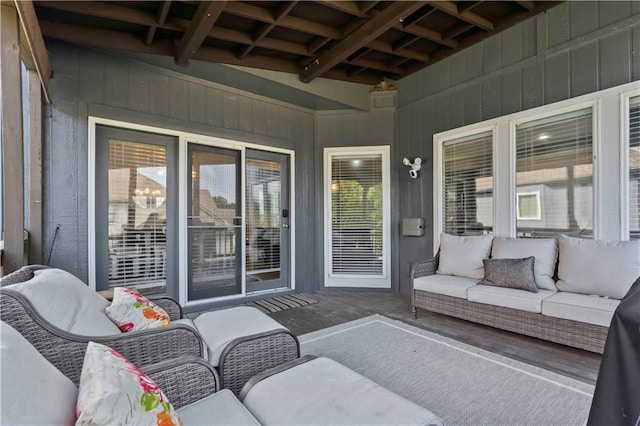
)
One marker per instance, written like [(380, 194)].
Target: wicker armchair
[(242, 357)]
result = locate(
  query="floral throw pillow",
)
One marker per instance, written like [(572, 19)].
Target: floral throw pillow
[(130, 311), (114, 391)]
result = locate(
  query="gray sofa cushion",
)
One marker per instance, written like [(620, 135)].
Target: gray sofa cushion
[(462, 256), (68, 303), (545, 250), (511, 273), (509, 297), (603, 268), (580, 307), (324, 392), (221, 408), (47, 397), (448, 285)]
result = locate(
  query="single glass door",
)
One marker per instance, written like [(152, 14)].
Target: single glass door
[(268, 220), (214, 222)]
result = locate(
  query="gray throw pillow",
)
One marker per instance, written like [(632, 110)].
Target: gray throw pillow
[(512, 273)]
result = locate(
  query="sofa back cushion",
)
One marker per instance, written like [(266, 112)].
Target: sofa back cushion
[(68, 303), (544, 250), (462, 256), (603, 268), (33, 391)]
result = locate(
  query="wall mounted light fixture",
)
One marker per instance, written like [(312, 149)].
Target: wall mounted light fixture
[(415, 166)]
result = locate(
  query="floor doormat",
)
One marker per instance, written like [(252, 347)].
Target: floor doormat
[(462, 384), (282, 303)]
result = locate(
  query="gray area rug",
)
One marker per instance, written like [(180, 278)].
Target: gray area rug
[(462, 384)]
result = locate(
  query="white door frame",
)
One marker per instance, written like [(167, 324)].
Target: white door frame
[(361, 281)]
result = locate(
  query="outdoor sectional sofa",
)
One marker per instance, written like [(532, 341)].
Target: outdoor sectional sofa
[(579, 285)]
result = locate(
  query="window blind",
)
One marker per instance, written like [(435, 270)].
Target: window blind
[(634, 168), (554, 158), (263, 216), (137, 215), (467, 193), (356, 215)]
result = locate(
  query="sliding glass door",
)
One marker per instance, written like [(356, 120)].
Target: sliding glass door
[(214, 222)]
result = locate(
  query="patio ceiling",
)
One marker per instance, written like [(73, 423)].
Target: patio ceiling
[(357, 41)]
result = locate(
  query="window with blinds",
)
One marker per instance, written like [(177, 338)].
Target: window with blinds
[(356, 215), (634, 168), (554, 158), (137, 215), (467, 192)]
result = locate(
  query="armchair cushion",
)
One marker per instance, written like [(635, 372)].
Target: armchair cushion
[(114, 391), (462, 256), (66, 302), (27, 379), (131, 311)]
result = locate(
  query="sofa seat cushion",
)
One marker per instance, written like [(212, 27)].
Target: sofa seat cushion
[(580, 307), (68, 303), (33, 391), (508, 297), (462, 256), (545, 251), (603, 268), (448, 285), (219, 328), (221, 408), (325, 392)]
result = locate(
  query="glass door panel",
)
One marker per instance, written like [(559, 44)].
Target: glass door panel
[(214, 223), (268, 218)]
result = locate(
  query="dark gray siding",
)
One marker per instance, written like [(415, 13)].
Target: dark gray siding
[(573, 49), (87, 82)]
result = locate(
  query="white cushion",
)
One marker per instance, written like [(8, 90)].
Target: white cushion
[(508, 297), (33, 391), (68, 303), (448, 285), (131, 311), (603, 268), (114, 391), (462, 256), (324, 392), (221, 408), (219, 328), (545, 251), (580, 307)]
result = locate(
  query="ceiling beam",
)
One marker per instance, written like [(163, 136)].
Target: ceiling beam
[(33, 50), (529, 5), (367, 32), (467, 5), (405, 41), (349, 7), (366, 6), (423, 32), (203, 20), (281, 12), (163, 10), (418, 15), (456, 31), (451, 8)]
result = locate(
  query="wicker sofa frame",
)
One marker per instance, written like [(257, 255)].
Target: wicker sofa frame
[(241, 359), (567, 332)]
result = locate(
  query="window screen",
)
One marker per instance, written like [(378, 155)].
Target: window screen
[(468, 185), (554, 157), (634, 168)]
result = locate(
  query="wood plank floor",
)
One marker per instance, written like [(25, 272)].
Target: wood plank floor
[(336, 307)]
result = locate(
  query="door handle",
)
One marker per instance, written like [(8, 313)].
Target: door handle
[(285, 225)]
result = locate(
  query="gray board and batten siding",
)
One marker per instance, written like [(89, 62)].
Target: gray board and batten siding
[(91, 83), (573, 49)]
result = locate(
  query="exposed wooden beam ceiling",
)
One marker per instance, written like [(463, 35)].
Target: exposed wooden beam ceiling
[(367, 32), (360, 41), (202, 22)]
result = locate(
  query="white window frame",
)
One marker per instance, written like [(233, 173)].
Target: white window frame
[(183, 186), (609, 165), (624, 161), (526, 194), (361, 281)]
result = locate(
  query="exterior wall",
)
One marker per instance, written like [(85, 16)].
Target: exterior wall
[(573, 49), (86, 82)]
